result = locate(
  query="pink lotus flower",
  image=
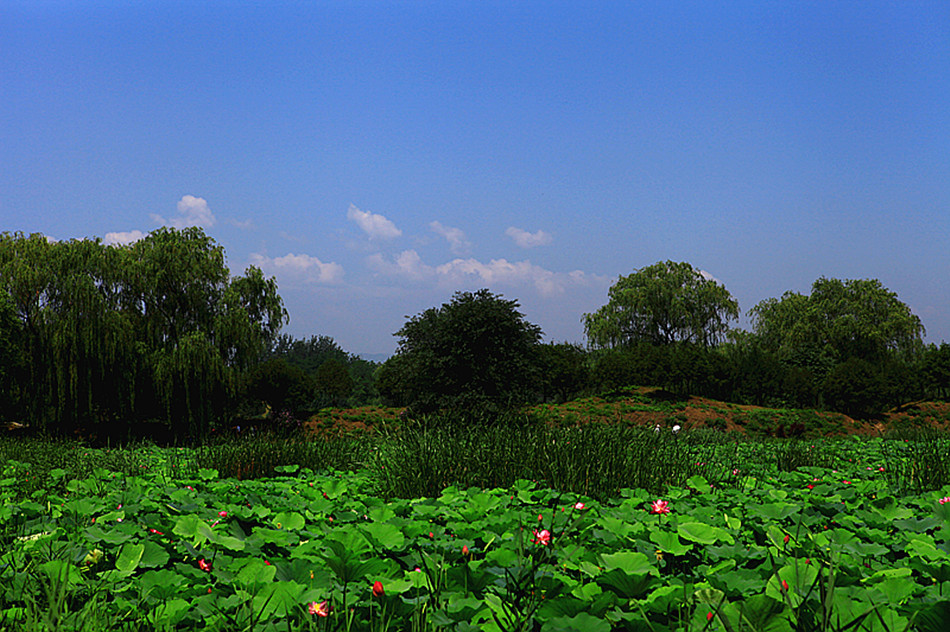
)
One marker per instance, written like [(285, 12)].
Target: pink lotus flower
[(542, 537), (321, 609), (579, 506), (944, 500), (222, 514), (660, 507), (204, 565)]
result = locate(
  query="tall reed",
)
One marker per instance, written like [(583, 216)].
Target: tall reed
[(593, 459)]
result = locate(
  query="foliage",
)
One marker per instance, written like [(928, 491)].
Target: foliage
[(935, 370), (471, 352), (855, 387), (281, 386), (113, 335), (661, 304), (838, 320), (333, 384), (333, 388), (12, 361), (252, 453), (562, 371), (829, 543)]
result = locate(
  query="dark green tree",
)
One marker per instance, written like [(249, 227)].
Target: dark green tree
[(662, 304), (856, 388), (332, 384), (311, 354), (935, 371), (281, 386), (838, 320), (474, 352), (113, 335), (12, 362), (562, 371)]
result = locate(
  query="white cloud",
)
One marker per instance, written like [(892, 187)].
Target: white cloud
[(528, 240), (123, 238), (246, 224), (456, 238), (285, 235), (374, 225), (310, 269), (192, 211), (409, 265)]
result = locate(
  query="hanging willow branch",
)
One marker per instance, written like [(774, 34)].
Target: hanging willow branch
[(110, 336)]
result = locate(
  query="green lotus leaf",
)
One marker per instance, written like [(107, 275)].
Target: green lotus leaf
[(703, 533)]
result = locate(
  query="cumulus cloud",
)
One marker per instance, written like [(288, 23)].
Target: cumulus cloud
[(308, 268), (374, 225), (528, 240), (456, 238), (123, 238), (192, 211), (409, 265)]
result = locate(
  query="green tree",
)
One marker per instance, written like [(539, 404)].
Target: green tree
[(562, 371), (475, 351), (308, 354), (855, 387), (12, 361), (112, 335), (281, 386), (662, 304), (935, 370), (332, 384), (839, 320), (311, 354)]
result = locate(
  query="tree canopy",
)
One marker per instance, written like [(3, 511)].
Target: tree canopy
[(114, 334), (661, 304), (475, 349), (839, 320)]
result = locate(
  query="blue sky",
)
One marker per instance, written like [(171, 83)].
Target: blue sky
[(378, 156)]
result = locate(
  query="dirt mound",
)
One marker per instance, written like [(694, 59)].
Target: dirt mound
[(651, 407)]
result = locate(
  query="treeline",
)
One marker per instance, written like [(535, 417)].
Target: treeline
[(154, 338), (108, 339), (302, 376), (849, 346), (157, 337)]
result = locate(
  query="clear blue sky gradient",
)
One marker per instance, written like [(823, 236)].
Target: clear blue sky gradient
[(404, 151)]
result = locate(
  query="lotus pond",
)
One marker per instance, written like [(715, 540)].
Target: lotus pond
[(738, 544)]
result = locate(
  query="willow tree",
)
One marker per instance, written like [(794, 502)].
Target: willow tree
[(115, 334), (662, 304), (75, 341), (855, 318)]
